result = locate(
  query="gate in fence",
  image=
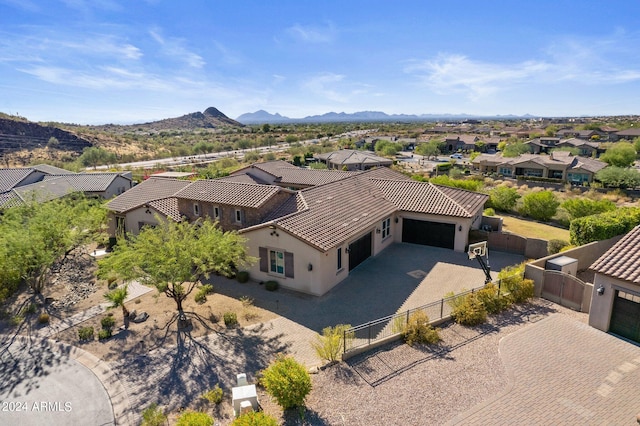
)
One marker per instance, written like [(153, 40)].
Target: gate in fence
[(563, 289)]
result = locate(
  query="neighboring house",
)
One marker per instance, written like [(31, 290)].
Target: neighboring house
[(461, 143), (144, 204), (609, 133), (586, 148), (352, 160), (311, 243), (558, 165), (542, 145), (287, 175), (629, 134), (44, 183), (615, 303)]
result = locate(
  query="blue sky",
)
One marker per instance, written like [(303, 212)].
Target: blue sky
[(129, 61)]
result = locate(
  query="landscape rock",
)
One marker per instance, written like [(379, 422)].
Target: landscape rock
[(141, 317)]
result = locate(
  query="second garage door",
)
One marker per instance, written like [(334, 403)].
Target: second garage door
[(625, 318), (428, 233)]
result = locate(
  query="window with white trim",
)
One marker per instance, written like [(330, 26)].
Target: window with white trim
[(238, 216), (386, 228), (276, 262), (196, 209)]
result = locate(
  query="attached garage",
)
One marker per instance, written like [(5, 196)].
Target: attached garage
[(428, 233), (625, 317), (359, 251)]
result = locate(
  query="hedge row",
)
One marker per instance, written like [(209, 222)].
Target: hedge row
[(603, 226)]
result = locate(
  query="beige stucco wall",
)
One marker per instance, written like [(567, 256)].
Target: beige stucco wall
[(602, 304), (119, 185), (133, 218)]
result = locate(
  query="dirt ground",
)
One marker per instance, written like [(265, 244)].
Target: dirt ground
[(159, 329)]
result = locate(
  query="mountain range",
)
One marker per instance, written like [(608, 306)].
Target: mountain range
[(262, 116)]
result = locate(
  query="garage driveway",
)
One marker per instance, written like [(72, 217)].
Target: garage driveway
[(402, 276)]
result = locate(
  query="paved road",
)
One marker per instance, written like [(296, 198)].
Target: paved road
[(562, 371), (45, 384)]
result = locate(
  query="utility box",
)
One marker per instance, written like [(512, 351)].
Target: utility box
[(565, 264)]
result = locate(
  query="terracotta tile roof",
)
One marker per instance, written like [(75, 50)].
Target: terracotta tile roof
[(629, 132), (350, 156), (43, 191), (9, 199), (588, 164), (424, 197), (622, 261), (9, 178), (293, 204), (228, 192), (310, 177), (328, 215), (242, 178), (152, 189), (52, 170), (167, 207)]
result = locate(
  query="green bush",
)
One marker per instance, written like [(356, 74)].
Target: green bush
[(492, 300), (468, 184), (418, 330), (255, 418), (85, 333), (541, 205), (503, 198), (43, 318), (214, 395), (107, 323), (287, 381), (16, 320), (242, 276), (104, 334), (230, 319), (522, 291), (555, 246), (31, 308), (153, 416), (580, 207), (329, 346), (203, 291), (489, 212), (194, 418), (271, 285), (470, 311), (604, 225)]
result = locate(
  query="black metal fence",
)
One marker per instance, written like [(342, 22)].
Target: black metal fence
[(364, 335)]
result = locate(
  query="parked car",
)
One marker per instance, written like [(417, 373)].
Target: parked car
[(456, 156)]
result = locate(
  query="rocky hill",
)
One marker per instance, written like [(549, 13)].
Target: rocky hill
[(211, 118), (22, 135)]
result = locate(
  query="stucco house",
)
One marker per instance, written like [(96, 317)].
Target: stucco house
[(311, 242), (615, 303), (308, 240), (559, 165), (352, 160)]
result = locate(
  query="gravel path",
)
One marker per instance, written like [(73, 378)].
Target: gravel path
[(401, 385)]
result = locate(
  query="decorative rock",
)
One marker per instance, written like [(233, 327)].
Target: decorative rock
[(141, 317), (132, 315)]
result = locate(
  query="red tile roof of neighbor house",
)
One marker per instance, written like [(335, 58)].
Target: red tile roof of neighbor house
[(228, 192), (86, 182), (152, 189), (167, 207), (622, 261)]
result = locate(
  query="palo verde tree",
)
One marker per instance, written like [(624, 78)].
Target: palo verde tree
[(38, 234), (176, 257)]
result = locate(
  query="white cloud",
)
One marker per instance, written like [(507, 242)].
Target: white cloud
[(174, 48), (327, 86), (313, 34)]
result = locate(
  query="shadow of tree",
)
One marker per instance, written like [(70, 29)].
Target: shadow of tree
[(307, 417), (175, 373)]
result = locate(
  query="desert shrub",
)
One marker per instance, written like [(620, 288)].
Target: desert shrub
[(492, 300), (329, 345), (16, 320), (287, 381), (418, 330), (153, 416), (85, 333), (271, 285), (242, 276), (203, 291), (108, 322), (214, 395), (470, 311), (31, 308), (489, 212), (503, 198), (555, 246), (522, 290), (246, 301), (104, 334), (580, 207), (43, 318), (194, 418), (255, 418), (230, 319), (618, 177), (468, 184), (541, 205)]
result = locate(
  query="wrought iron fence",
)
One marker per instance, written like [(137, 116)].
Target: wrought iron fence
[(366, 334)]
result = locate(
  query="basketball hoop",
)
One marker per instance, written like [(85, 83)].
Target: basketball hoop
[(477, 249)]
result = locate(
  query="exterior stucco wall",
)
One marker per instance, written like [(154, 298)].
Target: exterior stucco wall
[(119, 185), (602, 304)]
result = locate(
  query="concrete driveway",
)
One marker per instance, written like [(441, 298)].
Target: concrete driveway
[(402, 275)]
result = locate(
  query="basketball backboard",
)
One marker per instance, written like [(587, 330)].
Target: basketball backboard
[(477, 249)]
